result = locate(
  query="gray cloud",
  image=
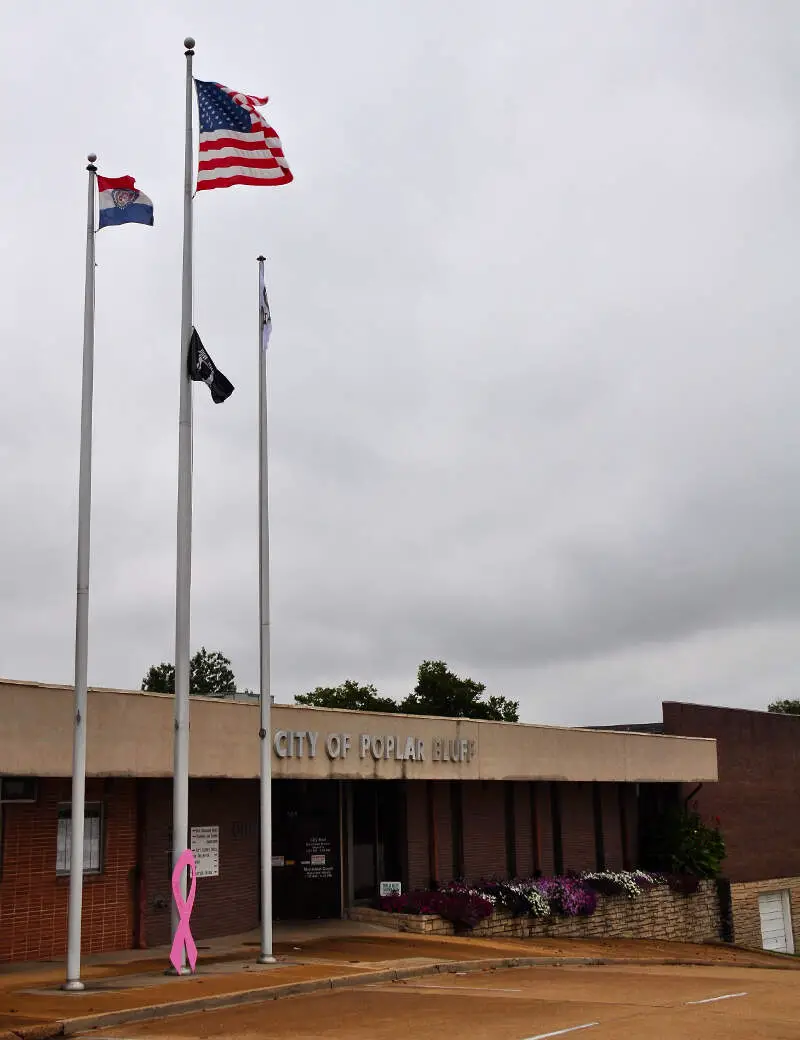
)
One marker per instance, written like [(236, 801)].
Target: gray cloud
[(533, 372)]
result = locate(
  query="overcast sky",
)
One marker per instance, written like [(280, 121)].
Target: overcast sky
[(534, 394)]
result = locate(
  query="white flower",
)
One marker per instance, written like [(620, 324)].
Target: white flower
[(629, 882)]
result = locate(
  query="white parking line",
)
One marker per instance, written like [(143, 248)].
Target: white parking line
[(466, 989), (712, 1000), (561, 1032)]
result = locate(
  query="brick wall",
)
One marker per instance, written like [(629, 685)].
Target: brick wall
[(226, 904), (746, 915), (759, 777), (484, 828), (577, 827), (417, 834), (612, 830), (33, 900), (547, 865), (657, 914), (444, 827), (631, 814), (522, 823)]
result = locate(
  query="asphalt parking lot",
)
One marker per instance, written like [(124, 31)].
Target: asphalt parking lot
[(630, 1002)]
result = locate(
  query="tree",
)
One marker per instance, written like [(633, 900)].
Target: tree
[(349, 695), (438, 692), (441, 692), (785, 707), (210, 675)]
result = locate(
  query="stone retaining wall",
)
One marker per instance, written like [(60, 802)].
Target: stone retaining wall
[(657, 914)]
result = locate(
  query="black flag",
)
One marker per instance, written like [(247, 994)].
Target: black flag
[(203, 370)]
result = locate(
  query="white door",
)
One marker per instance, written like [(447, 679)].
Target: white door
[(776, 929)]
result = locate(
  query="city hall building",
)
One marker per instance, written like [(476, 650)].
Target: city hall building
[(358, 799)]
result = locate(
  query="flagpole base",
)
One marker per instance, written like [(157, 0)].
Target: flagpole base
[(266, 958), (73, 986)]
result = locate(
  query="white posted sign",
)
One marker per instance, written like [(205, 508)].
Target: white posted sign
[(205, 846)]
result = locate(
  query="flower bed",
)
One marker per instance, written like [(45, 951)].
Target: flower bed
[(596, 904), (467, 905)]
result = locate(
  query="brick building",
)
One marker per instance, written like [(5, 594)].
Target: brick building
[(756, 802), (357, 798)]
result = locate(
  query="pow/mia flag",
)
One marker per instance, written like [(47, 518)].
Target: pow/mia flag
[(203, 370)]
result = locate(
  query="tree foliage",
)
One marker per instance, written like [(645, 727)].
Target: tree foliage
[(438, 692), (350, 695), (210, 675), (786, 707), (441, 692)]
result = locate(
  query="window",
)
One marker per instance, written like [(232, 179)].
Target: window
[(17, 789), (92, 839)]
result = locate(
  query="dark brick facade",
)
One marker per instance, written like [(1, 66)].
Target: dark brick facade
[(577, 827), (484, 828), (419, 865), (225, 904), (489, 827), (545, 824), (33, 899), (523, 833), (498, 817), (759, 780)]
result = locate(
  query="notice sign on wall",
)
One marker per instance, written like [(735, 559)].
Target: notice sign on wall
[(391, 888), (318, 865), (205, 847)]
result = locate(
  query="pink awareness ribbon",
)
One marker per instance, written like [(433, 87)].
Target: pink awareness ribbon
[(183, 934)]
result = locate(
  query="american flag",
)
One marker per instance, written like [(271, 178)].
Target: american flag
[(237, 145)]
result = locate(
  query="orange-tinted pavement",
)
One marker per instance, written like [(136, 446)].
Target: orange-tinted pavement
[(644, 1002), (124, 983)]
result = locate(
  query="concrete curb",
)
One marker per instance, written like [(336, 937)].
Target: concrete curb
[(219, 1001)]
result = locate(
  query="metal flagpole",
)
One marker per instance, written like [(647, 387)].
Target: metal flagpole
[(75, 842), (265, 700), (180, 782)]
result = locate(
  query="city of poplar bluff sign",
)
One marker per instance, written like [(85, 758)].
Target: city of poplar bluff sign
[(305, 743)]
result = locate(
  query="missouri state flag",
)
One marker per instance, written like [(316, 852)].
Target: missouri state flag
[(121, 202)]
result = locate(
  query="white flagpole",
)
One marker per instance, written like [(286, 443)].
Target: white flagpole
[(180, 782), (265, 699), (73, 982)]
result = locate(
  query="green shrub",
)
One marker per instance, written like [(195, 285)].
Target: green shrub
[(681, 843)]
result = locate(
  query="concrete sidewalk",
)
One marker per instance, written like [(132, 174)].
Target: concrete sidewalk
[(133, 985)]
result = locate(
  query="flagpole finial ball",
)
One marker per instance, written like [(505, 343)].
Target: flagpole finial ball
[(91, 157), (188, 43)]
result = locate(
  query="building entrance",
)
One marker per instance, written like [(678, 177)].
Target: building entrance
[(306, 854), (378, 836)]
